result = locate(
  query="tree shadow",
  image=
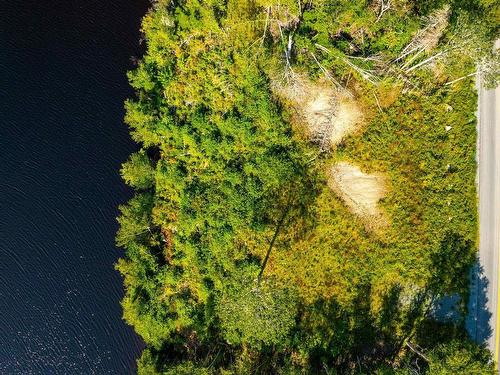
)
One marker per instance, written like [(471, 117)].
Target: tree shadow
[(456, 259), (477, 321)]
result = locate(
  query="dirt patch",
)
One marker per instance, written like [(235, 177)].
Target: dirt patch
[(329, 115), (361, 192)]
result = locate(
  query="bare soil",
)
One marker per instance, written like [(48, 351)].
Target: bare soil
[(329, 115), (361, 192)]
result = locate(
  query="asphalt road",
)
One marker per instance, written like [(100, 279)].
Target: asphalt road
[(484, 322)]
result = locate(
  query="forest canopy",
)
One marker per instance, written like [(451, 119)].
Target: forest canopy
[(304, 188)]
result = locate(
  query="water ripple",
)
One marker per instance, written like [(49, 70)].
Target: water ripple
[(62, 85)]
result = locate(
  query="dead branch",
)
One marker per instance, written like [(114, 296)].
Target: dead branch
[(384, 7), (426, 61), (416, 351), (428, 37), (266, 24), (326, 73), (289, 73), (378, 103), (366, 74), (461, 78)]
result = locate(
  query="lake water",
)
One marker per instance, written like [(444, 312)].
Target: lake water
[(62, 140)]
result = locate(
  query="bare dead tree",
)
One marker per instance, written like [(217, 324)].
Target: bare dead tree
[(385, 5), (327, 74), (378, 103), (417, 350), (366, 74), (266, 25), (427, 38)]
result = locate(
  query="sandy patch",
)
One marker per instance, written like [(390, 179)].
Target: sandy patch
[(361, 192), (329, 115)]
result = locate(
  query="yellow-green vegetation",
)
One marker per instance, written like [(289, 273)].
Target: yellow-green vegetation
[(242, 256)]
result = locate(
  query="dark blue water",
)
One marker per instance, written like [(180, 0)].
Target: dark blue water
[(62, 86)]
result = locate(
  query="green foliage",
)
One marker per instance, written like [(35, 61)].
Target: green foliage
[(138, 172), (146, 365), (135, 220), (460, 357), (149, 364), (226, 162), (258, 315), (239, 257), (426, 144)]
